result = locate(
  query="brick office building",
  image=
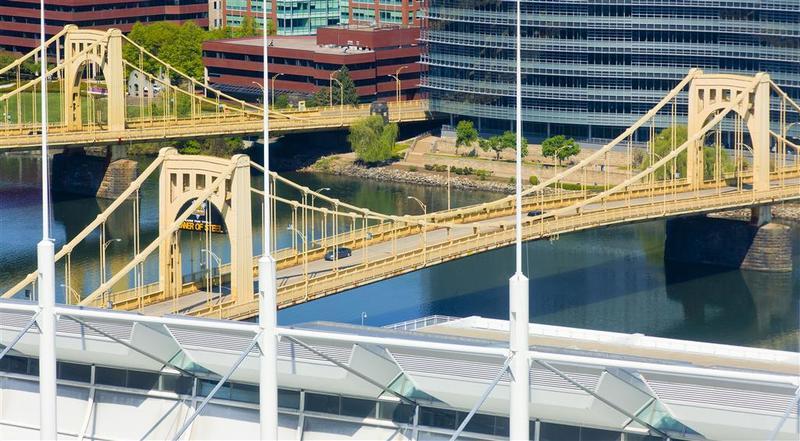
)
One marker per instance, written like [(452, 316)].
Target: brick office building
[(19, 19), (303, 64)]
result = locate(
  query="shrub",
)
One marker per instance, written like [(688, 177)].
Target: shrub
[(482, 174), (429, 167), (413, 168), (440, 168), (534, 180)]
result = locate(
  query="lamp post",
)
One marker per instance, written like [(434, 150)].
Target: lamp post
[(421, 204), (330, 87), (273, 87), (396, 77), (103, 263), (341, 99), (302, 236), (70, 290), (218, 261), (260, 87), (425, 229), (786, 132), (313, 197)]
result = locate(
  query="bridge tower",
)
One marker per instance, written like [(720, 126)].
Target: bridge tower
[(182, 180), (106, 55), (709, 94)]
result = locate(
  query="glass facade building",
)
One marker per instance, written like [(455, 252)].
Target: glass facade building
[(592, 67), (292, 17)]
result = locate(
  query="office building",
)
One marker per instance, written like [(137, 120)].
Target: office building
[(303, 64), (19, 19), (592, 68), (291, 17), (365, 12)]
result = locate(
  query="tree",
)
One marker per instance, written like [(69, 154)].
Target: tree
[(180, 46), (349, 87), (662, 146), (320, 97), (498, 143), (465, 134), (281, 101), (373, 140), (509, 140), (560, 148)]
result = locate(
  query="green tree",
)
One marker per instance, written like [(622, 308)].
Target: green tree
[(320, 97), (465, 134), (498, 143), (560, 147), (281, 101), (180, 46), (248, 28), (662, 146), (6, 58), (349, 87), (509, 140), (373, 140)]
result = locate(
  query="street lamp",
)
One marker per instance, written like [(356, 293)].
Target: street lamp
[(69, 290), (341, 97), (313, 197), (330, 86), (424, 207), (302, 236), (396, 77), (103, 261), (273, 88), (219, 270), (259, 86)]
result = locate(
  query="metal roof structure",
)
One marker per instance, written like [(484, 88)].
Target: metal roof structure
[(619, 383)]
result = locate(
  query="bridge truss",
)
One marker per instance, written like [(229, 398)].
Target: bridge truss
[(694, 174)]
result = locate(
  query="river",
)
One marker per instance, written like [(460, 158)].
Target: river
[(612, 279)]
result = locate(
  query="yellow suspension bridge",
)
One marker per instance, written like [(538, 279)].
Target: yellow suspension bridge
[(753, 108), (91, 103)]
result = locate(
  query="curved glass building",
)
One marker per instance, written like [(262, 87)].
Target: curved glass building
[(592, 67)]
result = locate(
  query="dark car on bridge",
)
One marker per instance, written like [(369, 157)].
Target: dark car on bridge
[(535, 213), (341, 253)]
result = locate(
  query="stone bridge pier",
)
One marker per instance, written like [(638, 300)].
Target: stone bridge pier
[(103, 173), (759, 245)]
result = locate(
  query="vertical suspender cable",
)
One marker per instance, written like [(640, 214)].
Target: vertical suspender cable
[(47, 270), (267, 311), (519, 413)]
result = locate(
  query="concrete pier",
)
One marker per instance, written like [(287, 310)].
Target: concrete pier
[(76, 172), (729, 243)]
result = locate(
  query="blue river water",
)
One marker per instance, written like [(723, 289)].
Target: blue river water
[(611, 279)]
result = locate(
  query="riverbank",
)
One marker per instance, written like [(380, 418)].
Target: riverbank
[(345, 165)]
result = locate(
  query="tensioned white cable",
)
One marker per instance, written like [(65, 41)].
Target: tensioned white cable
[(45, 173), (519, 143)]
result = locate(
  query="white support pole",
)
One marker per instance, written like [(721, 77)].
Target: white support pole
[(268, 343), (47, 340), (47, 271), (519, 394), (519, 389), (267, 288)]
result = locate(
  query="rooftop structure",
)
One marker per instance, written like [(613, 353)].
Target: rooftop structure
[(303, 64), (123, 375)]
